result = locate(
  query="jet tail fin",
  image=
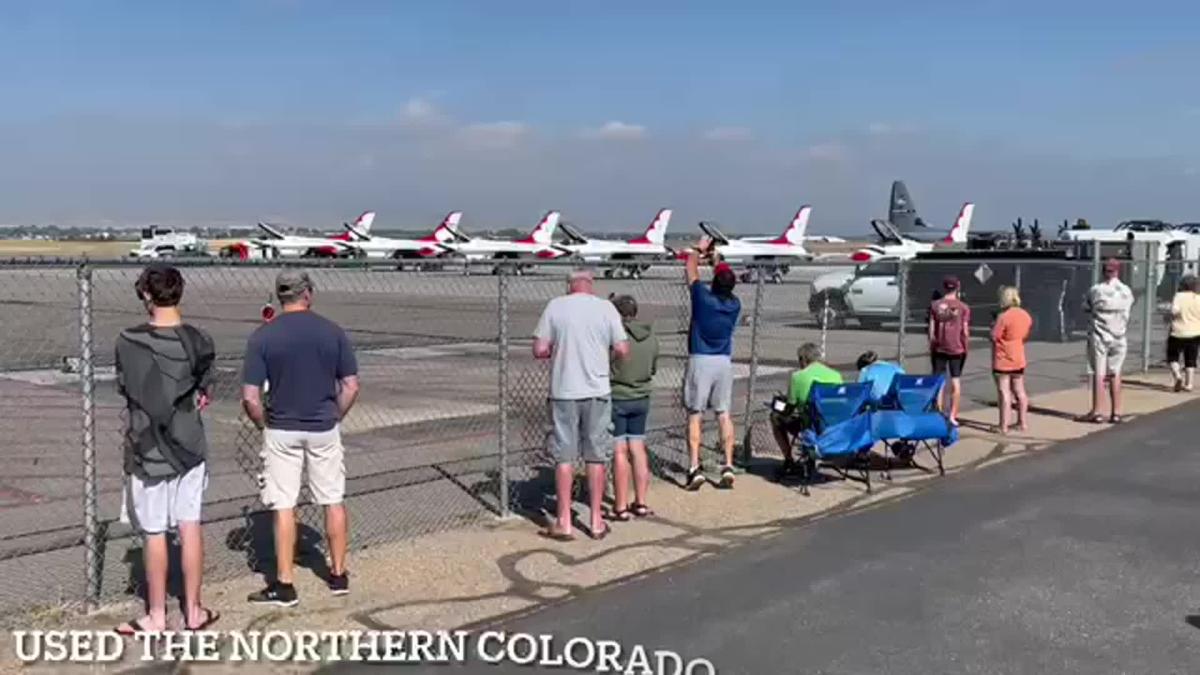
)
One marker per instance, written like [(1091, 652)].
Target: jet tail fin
[(656, 233), (447, 229), (360, 229), (543, 233), (363, 222), (902, 211), (794, 234), (961, 226)]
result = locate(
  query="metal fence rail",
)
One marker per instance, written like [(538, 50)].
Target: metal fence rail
[(451, 425)]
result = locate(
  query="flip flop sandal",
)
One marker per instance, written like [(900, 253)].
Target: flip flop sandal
[(601, 535), (1116, 419), (551, 533), (133, 627), (641, 510), (620, 515), (1096, 418), (210, 617)]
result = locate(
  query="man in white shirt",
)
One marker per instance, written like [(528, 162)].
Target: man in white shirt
[(578, 332), (1109, 302)]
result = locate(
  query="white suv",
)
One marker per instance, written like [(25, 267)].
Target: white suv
[(874, 295)]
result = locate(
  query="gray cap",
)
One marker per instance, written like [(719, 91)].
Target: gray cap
[(291, 283)]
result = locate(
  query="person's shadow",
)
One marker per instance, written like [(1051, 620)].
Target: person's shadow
[(255, 539)]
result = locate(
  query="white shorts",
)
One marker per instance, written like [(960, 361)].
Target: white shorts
[(153, 506), (284, 454), (1106, 356)]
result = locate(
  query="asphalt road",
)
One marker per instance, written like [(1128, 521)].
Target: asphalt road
[(1081, 559)]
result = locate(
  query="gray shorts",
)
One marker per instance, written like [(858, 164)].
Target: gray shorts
[(284, 455), (581, 427), (708, 384), (1106, 356), (153, 506)]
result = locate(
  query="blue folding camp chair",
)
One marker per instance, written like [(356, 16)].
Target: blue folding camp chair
[(840, 434), (911, 421)]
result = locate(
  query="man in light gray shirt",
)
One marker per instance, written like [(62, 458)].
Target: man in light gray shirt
[(577, 332), (1109, 302)]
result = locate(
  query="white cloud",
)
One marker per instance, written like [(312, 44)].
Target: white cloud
[(727, 134), (880, 128), (616, 131), (504, 134), (829, 151), (421, 112)]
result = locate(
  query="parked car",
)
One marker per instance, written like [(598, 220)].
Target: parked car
[(874, 294)]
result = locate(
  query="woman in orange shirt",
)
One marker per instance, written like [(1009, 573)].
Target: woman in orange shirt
[(1008, 357)]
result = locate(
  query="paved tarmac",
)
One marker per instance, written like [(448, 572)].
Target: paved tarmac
[(1080, 559)]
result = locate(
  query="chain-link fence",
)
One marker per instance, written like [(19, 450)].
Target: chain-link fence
[(452, 420)]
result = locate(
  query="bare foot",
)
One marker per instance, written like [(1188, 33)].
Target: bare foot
[(557, 532)]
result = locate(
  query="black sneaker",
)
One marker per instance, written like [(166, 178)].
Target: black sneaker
[(727, 477), (339, 584), (695, 479), (280, 595)]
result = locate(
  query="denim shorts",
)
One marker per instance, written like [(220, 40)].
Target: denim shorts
[(629, 419)]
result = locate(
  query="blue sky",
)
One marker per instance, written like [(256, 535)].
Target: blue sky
[(309, 112)]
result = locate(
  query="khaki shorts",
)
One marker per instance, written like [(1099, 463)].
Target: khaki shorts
[(153, 506), (284, 454)]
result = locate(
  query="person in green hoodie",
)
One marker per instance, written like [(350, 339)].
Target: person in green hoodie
[(632, 380)]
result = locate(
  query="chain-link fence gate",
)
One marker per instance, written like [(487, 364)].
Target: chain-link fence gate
[(451, 425)]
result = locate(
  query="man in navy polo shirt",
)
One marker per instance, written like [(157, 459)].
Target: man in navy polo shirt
[(313, 374)]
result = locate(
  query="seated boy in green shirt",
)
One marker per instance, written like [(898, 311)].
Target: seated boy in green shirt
[(812, 371)]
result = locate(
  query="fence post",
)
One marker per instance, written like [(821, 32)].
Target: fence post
[(502, 439), (825, 327), (748, 422), (902, 283), (1095, 262), (1150, 301), (87, 380)]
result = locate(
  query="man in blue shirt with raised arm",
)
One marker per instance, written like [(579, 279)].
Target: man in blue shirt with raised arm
[(708, 384)]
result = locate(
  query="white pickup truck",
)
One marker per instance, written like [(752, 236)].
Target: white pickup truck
[(868, 293), (159, 243), (874, 295)]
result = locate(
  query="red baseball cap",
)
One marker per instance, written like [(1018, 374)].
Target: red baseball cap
[(723, 268)]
